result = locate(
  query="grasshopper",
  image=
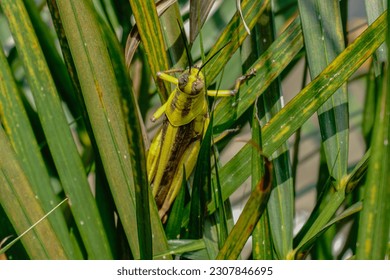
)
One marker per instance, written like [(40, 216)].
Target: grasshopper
[(176, 145)]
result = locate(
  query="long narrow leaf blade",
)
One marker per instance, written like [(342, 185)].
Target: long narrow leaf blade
[(269, 66), (251, 11), (23, 209), (151, 35), (57, 132), (199, 11), (374, 223), (323, 34), (320, 89), (16, 123), (249, 217), (286, 122), (101, 96)]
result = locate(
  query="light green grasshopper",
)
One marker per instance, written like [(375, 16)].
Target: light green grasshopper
[(177, 143)]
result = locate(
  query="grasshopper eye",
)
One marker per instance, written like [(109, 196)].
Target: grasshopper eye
[(197, 86), (183, 81)]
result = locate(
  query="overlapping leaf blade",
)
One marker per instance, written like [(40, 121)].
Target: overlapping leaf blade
[(58, 135)]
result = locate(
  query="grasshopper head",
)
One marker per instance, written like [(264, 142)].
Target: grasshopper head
[(191, 81)]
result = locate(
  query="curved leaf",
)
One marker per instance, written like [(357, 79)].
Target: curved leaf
[(58, 135)]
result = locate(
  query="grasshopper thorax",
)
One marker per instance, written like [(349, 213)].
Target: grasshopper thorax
[(191, 81)]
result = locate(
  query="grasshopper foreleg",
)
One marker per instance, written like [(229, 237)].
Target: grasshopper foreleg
[(164, 75), (237, 85)]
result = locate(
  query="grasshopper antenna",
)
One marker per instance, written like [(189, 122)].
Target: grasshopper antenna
[(183, 36), (217, 52)]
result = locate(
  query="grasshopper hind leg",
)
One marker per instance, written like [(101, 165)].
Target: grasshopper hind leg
[(153, 156), (188, 161)]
